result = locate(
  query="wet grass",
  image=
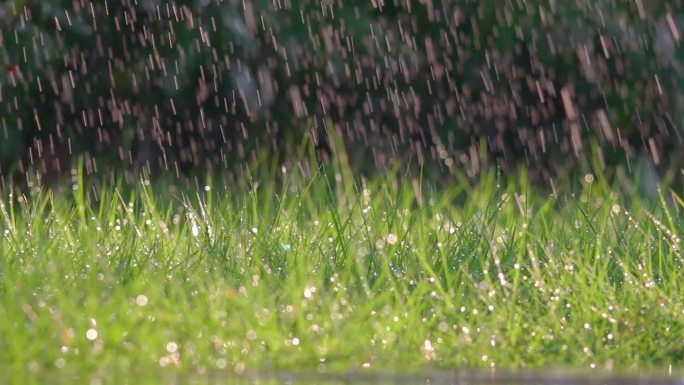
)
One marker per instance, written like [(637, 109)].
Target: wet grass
[(330, 273)]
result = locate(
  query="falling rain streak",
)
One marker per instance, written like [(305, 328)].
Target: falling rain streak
[(172, 87)]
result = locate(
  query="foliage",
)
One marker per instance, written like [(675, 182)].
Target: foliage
[(206, 84)]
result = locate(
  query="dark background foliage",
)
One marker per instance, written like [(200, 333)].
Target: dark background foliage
[(201, 85)]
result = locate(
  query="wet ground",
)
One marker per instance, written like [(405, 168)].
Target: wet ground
[(436, 378)]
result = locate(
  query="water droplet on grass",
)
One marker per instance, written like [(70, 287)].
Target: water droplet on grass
[(91, 334), (60, 363), (171, 347), (141, 300), (221, 363)]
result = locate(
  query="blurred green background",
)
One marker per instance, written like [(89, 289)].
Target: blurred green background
[(199, 86)]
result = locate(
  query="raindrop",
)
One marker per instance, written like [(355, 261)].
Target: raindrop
[(141, 300), (171, 347), (91, 334)]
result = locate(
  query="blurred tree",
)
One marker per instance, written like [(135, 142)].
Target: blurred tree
[(186, 85)]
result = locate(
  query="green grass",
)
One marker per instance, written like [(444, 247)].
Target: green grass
[(336, 274)]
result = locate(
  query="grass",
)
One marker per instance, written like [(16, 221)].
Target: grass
[(329, 273)]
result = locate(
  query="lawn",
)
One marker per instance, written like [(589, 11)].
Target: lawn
[(331, 273)]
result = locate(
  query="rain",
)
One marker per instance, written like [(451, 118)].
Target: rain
[(158, 87)]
